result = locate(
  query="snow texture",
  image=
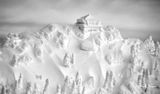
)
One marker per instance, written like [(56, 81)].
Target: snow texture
[(83, 58)]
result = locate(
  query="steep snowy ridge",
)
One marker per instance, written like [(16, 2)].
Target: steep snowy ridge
[(84, 58)]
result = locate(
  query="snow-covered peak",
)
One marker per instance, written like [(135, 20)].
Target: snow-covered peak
[(83, 58)]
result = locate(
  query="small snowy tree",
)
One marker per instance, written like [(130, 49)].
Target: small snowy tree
[(46, 85), (149, 45)]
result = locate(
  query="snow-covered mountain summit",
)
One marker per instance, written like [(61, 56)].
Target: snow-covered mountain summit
[(86, 57)]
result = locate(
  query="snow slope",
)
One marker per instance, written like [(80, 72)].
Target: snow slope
[(56, 60)]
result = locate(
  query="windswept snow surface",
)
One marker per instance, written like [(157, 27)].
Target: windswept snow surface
[(55, 60)]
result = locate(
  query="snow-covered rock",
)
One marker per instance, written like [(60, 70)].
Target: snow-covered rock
[(87, 25)]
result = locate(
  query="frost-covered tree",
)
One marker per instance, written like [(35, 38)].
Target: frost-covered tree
[(157, 52), (68, 59), (46, 85), (149, 45), (59, 90)]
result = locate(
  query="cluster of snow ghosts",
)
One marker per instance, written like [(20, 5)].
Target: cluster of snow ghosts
[(7, 80), (143, 73), (15, 41), (57, 34), (108, 86), (111, 34), (16, 44), (75, 85), (109, 83), (25, 87)]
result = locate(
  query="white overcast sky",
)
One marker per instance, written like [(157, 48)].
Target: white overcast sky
[(134, 18)]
